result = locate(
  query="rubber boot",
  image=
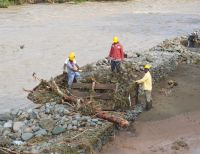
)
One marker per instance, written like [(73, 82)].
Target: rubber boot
[(148, 105)]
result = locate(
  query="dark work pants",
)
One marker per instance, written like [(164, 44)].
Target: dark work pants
[(115, 65)]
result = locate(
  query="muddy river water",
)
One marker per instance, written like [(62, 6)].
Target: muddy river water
[(49, 31)]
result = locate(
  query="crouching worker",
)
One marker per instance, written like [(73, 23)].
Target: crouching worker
[(73, 69), (147, 86), (192, 39)]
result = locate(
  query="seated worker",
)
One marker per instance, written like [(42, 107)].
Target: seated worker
[(146, 81), (72, 69)]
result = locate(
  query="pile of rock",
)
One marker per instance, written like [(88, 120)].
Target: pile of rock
[(19, 126)]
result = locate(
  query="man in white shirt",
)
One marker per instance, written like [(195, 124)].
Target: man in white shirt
[(72, 69)]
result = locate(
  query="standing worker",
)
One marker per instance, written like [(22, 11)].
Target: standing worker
[(116, 55), (72, 69), (147, 86)]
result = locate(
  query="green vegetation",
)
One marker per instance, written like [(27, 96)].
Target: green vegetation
[(4, 3)]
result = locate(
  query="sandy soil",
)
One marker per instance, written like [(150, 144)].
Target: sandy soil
[(172, 126), (87, 29)]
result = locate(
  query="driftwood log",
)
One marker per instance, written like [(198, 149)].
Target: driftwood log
[(112, 118)]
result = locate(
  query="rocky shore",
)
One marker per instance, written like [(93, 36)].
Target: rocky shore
[(59, 128)]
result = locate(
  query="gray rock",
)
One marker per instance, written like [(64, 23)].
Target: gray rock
[(1, 130), (28, 130), (30, 111), (78, 118), (2, 123), (5, 117), (69, 127), (74, 128), (17, 126), (59, 109), (95, 120), (35, 128), (34, 114), (99, 123), (19, 112), (8, 124), (48, 105), (93, 124), (57, 130), (42, 109), (65, 126), (64, 120), (47, 124), (41, 132), (88, 120), (27, 136), (6, 131), (53, 103), (14, 112), (17, 142), (56, 117), (47, 111), (74, 122), (149, 58)]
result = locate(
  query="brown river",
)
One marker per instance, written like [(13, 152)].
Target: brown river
[(49, 31)]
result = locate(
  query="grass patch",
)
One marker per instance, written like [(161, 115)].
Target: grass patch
[(4, 3)]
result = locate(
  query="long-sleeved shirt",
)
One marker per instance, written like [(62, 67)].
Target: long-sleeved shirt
[(146, 81), (65, 69), (116, 52)]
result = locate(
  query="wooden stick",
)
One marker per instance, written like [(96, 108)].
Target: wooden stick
[(79, 134)]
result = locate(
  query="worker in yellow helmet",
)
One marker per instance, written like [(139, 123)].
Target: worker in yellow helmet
[(147, 86), (116, 55), (72, 69)]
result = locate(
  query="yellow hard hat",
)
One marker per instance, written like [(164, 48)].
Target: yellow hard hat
[(71, 56), (147, 66), (115, 39)]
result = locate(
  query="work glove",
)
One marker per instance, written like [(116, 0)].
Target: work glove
[(135, 82)]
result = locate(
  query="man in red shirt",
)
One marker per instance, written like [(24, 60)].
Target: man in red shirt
[(116, 55)]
